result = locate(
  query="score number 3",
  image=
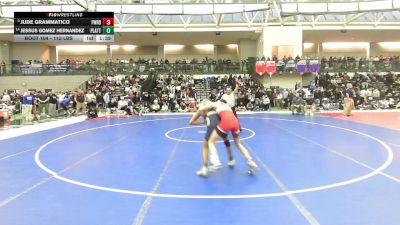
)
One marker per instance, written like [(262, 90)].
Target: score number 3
[(108, 21)]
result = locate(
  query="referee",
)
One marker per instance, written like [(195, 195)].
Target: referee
[(230, 98)]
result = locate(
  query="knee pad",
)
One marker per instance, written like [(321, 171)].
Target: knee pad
[(227, 143)]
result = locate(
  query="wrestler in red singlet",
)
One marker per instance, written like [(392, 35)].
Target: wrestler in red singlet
[(228, 121)]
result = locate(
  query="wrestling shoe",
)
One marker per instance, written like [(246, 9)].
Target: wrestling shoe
[(202, 172), (231, 163), (252, 167), (214, 160), (214, 167)]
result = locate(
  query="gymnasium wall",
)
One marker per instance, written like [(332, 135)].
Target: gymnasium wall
[(29, 51), (310, 49), (55, 82), (146, 52), (225, 52), (84, 53), (188, 52), (247, 48), (378, 49), (5, 51), (282, 80)]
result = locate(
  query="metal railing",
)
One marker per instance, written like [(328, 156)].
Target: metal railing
[(337, 65), (195, 68), (360, 66), (120, 68)]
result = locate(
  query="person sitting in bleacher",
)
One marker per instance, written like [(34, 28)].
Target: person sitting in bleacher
[(191, 106), (92, 112), (112, 106), (164, 107), (137, 108), (265, 103), (257, 105), (123, 105), (182, 107), (155, 107), (250, 106), (383, 104), (241, 107), (297, 105)]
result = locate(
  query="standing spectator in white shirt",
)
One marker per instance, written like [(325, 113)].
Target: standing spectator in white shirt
[(285, 95), (279, 100), (90, 99), (230, 98), (106, 99), (6, 98)]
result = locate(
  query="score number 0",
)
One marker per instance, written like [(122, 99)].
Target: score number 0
[(108, 25)]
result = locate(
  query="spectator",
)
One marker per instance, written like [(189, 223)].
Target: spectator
[(309, 106), (164, 107), (6, 98), (43, 100), (90, 99), (80, 102), (297, 105), (65, 104), (348, 100), (265, 103), (250, 106), (155, 107), (279, 100), (53, 102), (27, 105), (92, 112)]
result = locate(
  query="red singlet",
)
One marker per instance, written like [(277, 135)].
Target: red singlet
[(228, 121)]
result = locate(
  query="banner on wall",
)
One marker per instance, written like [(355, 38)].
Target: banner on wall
[(314, 66), (33, 69), (62, 68), (260, 67), (271, 67), (290, 66), (301, 66), (280, 66)]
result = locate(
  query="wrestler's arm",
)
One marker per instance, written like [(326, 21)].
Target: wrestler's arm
[(203, 110), (194, 119)]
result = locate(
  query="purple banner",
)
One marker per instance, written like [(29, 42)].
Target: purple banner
[(301, 66), (314, 66)]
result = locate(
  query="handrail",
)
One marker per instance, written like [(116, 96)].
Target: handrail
[(339, 65)]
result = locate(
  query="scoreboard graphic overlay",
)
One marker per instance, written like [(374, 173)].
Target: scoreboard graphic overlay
[(64, 27)]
